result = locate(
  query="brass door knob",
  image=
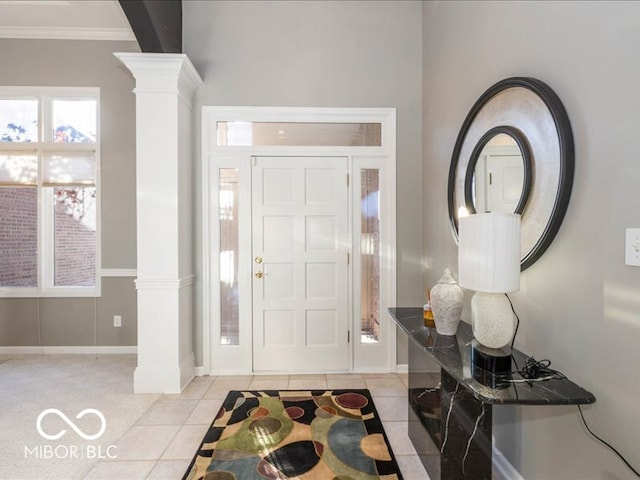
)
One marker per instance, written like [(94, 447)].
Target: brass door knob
[(259, 274), (258, 259)]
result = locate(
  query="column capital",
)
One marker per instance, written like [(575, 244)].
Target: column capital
[(161, 72)]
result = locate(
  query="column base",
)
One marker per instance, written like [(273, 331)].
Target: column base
[(164, 379)]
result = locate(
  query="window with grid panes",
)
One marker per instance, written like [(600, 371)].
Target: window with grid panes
[(49, 195)]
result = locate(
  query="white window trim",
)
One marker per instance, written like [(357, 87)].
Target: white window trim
[(45, 286)]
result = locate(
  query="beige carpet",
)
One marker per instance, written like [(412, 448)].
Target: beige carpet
[(30, 384)]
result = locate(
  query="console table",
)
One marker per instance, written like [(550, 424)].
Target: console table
[(450, 418)]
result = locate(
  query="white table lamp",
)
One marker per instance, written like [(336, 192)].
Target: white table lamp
[(489, 263)]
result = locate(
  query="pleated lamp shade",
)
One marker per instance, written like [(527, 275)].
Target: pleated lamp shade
[(489, 252)]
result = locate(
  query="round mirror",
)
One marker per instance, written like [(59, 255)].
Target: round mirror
[(498, 177), (529, 112)]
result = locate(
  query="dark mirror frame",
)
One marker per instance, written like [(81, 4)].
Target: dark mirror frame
[(521, 142), (562, 169)]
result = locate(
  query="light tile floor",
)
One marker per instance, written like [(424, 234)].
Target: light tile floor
[(155, 435), (163, 441)]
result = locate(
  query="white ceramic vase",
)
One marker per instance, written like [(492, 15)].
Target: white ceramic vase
[(446, 302)]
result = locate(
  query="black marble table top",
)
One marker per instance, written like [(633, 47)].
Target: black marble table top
[(453, 354)]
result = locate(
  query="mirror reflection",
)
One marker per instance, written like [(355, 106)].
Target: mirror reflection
[(498, 177), (538, 178)]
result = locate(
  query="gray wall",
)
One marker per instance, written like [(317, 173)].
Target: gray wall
[(579, 304), (319, 54), (85, 321)]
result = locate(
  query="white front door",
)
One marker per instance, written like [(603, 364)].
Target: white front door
[(300, 257), (506, 177)]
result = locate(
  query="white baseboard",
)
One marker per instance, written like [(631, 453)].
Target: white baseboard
[(402, 368), (81, 350), (502, 469), (20, 350), (200, 371), (226, 373)]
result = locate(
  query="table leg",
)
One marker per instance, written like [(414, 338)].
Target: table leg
[(449, 428), (466, 433)]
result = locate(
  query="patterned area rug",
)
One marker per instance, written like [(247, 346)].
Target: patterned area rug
[(302, 435)]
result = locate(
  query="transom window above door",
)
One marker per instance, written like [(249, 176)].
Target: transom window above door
[(312, 134)]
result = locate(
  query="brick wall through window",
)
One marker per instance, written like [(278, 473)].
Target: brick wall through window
[(75, 251), (18, 237), (75, 243)]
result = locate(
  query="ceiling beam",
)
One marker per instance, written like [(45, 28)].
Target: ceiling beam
[(156, 24)]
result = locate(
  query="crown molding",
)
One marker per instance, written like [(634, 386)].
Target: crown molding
[(67, 33)]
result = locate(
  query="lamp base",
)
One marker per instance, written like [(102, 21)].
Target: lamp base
[(490, 366), (492, 319)]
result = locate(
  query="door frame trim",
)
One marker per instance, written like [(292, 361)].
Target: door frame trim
[(213, 155)]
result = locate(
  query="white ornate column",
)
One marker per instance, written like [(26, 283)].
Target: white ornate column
[(165, 84)]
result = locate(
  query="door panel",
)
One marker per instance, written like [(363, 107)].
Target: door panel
[(300, 247)]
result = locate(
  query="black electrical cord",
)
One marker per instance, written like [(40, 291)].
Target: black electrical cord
[(539, 370), (607, 444), (535, 371), (517, 323)]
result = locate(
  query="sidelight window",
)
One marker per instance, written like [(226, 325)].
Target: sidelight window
[(229, 235), (369, 256)]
